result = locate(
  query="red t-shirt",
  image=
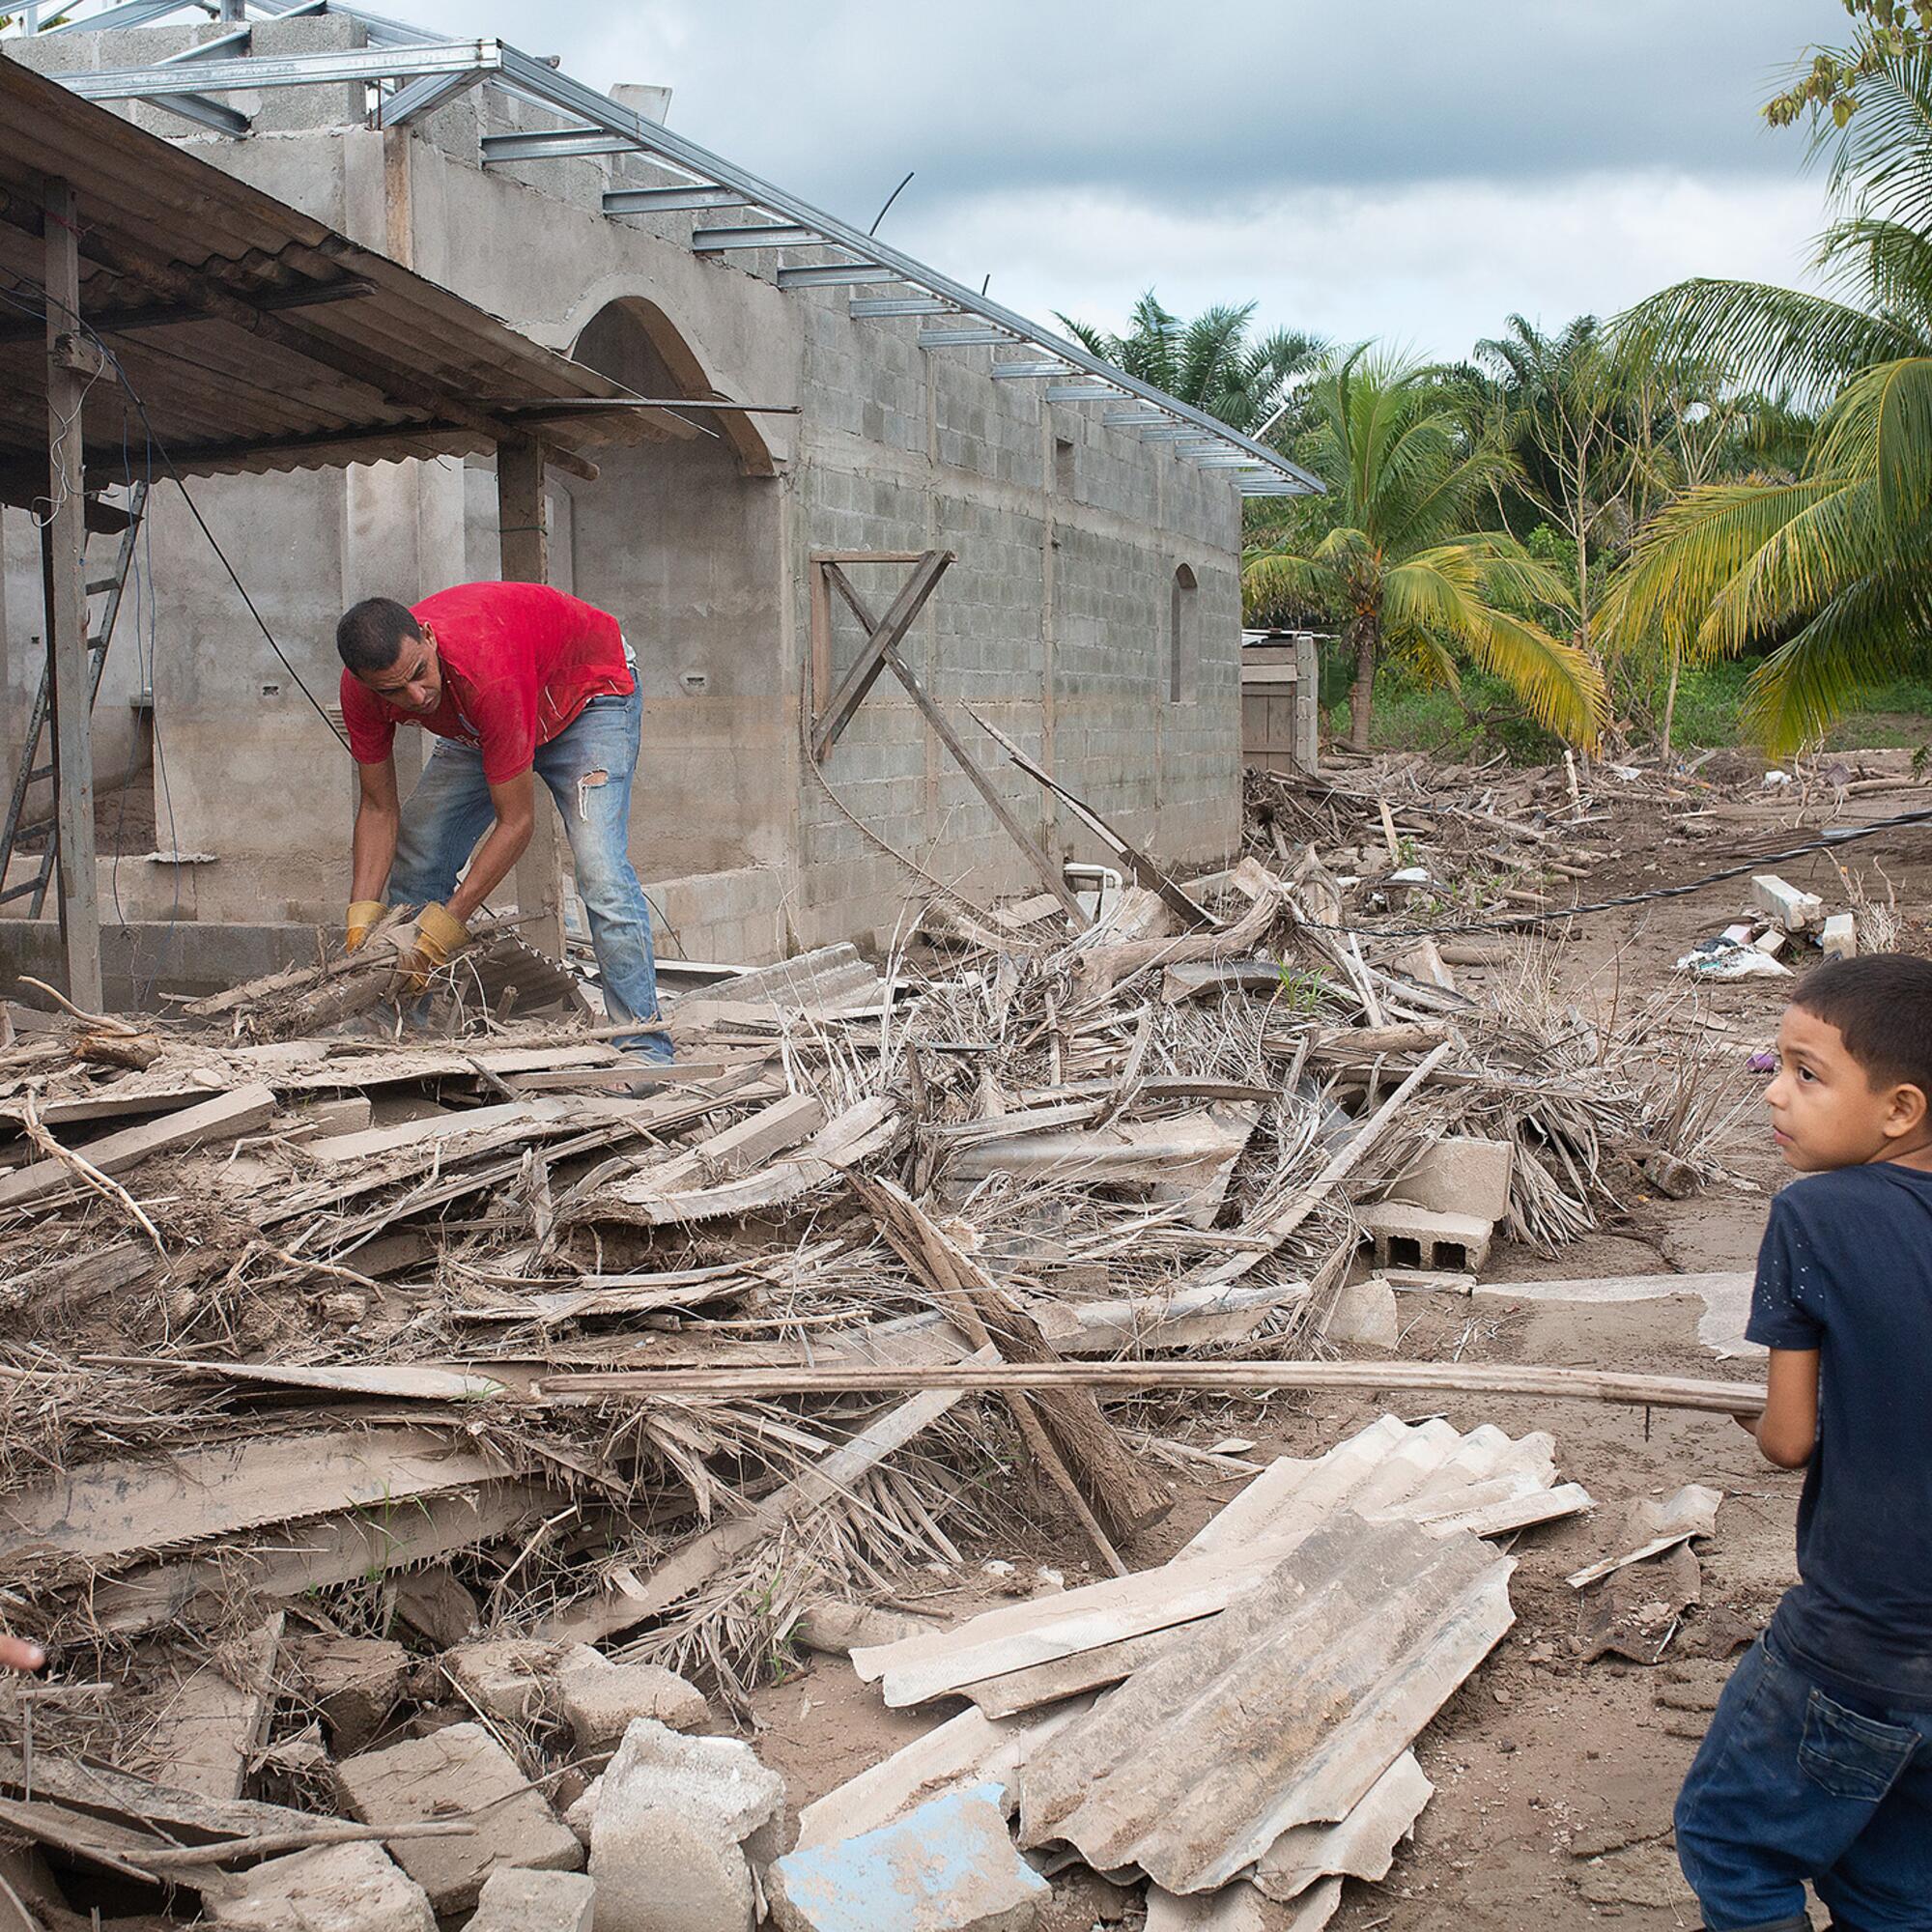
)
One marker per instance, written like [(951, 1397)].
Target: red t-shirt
[(520, 660)]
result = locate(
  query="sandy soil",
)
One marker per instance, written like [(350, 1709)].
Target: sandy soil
[(1554, 1777)]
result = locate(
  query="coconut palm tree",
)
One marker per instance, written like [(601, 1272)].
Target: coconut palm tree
[(1831, 568), (1391, 555), (1210, 362)]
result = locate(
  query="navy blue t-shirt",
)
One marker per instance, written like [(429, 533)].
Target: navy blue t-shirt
[(1846, 1268)]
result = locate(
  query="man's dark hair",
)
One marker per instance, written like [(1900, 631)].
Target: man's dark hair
[(1882, 1006), (372, 634)]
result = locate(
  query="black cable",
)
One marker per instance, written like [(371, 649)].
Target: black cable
[(1511, 920)]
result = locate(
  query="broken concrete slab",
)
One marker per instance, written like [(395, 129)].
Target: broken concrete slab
[(507, 1679), (948, 1867), (1726, 1295), (1841, 936), (601, 1699), (668, 1821), (517, 1900), (1458, 1173), (352, 1682), (1365, 1313), (354, 1888), (457, 1772), (659, 1869), (1417, 1237)]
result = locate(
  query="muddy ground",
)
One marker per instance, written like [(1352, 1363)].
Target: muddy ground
[(1555, 1777)]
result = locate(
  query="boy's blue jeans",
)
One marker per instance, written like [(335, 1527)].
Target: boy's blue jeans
[(1790, 1785), (450, 810)]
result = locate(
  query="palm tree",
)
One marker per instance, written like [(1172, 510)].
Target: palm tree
[(1829, 568), (1210, 362), (1390, 552)]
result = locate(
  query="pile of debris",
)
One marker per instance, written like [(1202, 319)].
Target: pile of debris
[(324, 1334), (1787, 926)]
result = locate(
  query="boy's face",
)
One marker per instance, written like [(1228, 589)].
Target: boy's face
[(1825, 1112)]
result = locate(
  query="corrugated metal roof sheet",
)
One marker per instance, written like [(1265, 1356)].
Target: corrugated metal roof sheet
[(256, 338), (1284, 1710)]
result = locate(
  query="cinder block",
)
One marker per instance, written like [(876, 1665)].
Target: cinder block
[(1460, 1175), (460, 1770), (1365, 1313), (1840, 937), (600, 1699), (1415, 1237)]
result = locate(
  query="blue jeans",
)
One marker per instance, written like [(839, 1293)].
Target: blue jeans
[(450, 810), (1790, 1785)]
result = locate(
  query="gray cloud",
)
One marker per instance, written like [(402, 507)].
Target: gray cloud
[(1411, 170), (1249, 97)]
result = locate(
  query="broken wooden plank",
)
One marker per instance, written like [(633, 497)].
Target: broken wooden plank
[(211, 1726), (1017, 1636), (1465, 1378), (1144, 870), (1186, 1158), (225, 1117), (1057, 1430), (318, 1553), (108, 1509), (745, 1145), (627, 1599), (394, 1381), (865, 1128)]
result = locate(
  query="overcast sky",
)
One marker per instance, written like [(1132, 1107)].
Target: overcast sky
[(1411, 171)]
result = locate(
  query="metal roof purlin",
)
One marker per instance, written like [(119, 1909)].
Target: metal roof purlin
[(435, 67)]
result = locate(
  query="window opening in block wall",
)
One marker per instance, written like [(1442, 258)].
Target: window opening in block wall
[(1063, 464), (1180, 636)]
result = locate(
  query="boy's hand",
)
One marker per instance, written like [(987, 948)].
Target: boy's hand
[(17, 1655)]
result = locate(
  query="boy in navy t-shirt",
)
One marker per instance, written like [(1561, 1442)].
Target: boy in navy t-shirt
[(1818, 1764)]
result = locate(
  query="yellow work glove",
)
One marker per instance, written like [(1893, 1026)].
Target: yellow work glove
[(436, 936), (364, 915)]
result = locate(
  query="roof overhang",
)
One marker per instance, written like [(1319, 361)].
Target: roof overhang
[(236, 333)]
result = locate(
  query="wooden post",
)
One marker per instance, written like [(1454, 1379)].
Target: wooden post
[(1307, 703), (522, 516), (66, 602)]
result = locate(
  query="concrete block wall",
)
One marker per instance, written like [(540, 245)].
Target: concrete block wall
[(1054, 623)]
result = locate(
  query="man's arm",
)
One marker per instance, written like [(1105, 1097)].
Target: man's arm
[(515, 803), (378, 820), (1787, 1432)]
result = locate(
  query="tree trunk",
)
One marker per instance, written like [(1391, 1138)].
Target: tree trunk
[(1362, 693), (1670, 698)]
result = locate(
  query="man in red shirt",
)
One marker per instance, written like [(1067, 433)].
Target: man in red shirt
[(519, 682)]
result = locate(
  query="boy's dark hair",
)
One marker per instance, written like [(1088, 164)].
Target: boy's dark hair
[(1882, 1006), (372, 634)]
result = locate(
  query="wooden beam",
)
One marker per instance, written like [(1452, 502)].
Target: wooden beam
[(522, 516), (1503, 1380), (65, 538), (168, 315), (1050, 874), (870, 661)]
